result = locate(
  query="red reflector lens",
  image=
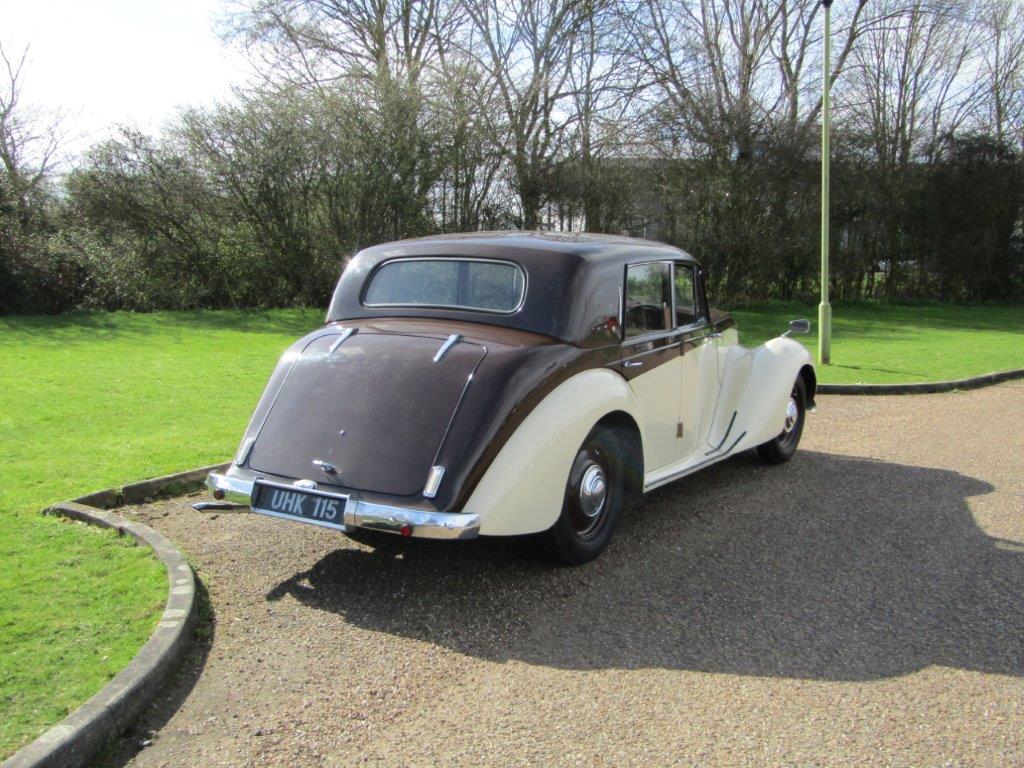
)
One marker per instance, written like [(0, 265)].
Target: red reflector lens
[(218, 494), (406, 530)]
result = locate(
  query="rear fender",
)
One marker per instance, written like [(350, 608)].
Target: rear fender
[(524, 487)]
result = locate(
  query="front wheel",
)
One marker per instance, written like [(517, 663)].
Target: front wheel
[(593, 501), (782, 448)]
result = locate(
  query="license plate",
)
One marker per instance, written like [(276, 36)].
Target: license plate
[(302, 504)]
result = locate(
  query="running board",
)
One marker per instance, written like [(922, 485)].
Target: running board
[(712, 456)]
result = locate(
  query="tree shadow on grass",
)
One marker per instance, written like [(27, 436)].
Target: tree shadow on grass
[(830, 568), (91, 327)]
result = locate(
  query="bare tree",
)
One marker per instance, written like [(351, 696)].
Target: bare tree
[(603, 85), (527, 49), (732, 70), (1003, 67), (911, 82), (328, 40), (29, 139), (469, 120)]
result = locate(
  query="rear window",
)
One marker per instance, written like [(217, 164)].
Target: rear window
[(486, 286)]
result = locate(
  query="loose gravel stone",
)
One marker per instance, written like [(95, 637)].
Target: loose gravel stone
[(862, 604)]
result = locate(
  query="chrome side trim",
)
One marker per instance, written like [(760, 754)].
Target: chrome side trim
[(450, 342), (364, 514), (455, 411), (653, 350), (341, 339), (725, 437), (244, 450), (714, 455)]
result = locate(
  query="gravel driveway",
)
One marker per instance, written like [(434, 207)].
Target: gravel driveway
[(863, 604)]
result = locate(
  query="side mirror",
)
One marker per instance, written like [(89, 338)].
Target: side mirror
[(798, 326)]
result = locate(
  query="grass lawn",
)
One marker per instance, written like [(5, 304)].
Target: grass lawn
[(887, 343), (94, 400), (87, 402)]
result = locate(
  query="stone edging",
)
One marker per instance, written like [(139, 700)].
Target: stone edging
[(134, 493), (926, 387), (75, 740)]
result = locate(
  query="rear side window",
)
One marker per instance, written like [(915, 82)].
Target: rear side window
[(648, 298), (485, 286), (686, 296)]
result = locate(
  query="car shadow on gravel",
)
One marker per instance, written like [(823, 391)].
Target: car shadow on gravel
[(829, 568)]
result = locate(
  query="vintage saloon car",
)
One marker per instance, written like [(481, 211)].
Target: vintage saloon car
[(511, 383)]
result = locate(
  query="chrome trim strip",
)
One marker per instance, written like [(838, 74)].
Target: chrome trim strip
[(718, 456), (652, 350), (341, 339), (455, 412), (450, 342), (361, 514), (715, 454), (725, 437), (244, 450), (292, 486)]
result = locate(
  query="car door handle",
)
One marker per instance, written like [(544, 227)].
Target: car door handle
[(632, 364), (715, 335)]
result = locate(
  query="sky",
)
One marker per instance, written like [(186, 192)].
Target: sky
[(108, 62)]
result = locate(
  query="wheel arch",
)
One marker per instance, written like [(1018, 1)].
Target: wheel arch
[(810, 383), (523, 489), (633, 446)]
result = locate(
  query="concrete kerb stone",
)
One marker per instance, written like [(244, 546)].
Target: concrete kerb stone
[(921, 388), (76, 739)]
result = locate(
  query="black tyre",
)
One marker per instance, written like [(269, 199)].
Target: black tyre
[(594, 496), (782, 448)]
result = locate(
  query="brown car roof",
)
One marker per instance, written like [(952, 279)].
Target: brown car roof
[(574, 280)]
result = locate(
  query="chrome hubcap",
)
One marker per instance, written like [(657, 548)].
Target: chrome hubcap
[(593, 491), (792, 414)]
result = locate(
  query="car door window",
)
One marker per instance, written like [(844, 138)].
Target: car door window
[(687, 311), (648, 298)]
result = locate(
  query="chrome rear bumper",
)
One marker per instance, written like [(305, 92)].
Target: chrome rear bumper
[(367, 515)]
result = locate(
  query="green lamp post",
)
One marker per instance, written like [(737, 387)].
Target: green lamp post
[(825, 309)]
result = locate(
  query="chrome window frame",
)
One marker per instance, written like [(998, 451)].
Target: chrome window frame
[(700, 313), (653, 335), (649, 335), (453, 307), (701, 322)]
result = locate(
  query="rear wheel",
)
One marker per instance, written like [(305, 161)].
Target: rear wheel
[(782, 448), (593, 500)]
